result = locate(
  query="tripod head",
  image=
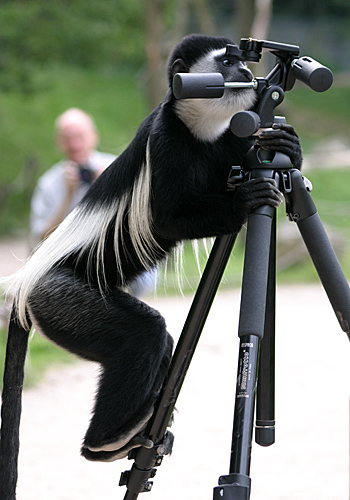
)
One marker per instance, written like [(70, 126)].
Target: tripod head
[(270, 90), (289, 66)]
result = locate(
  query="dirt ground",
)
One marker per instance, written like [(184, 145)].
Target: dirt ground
[(310, 459)]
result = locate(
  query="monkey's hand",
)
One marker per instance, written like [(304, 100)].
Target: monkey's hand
[(255, 193), (283, 138)]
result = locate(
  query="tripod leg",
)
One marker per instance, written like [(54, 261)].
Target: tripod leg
[(265, 396), (304, 212), (236, 486), (136, 480)]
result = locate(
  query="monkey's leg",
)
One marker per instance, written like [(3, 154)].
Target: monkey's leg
[(125, 335)]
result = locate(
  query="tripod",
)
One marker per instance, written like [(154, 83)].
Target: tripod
[(256, 330), (255, 374)]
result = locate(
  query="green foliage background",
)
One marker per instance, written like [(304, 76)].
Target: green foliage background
[(69, 32)]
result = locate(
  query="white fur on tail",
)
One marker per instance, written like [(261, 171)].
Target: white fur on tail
[(83, 229)]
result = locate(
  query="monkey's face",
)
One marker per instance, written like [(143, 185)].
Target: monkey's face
[(233, 70), (209, 118)]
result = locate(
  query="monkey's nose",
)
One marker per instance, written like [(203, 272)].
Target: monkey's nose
[(247, 74)]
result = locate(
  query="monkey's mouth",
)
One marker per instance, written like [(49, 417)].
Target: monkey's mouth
[(245, 76), (241, 98)]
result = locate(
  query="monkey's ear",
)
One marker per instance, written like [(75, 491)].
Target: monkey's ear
[(179, 66)]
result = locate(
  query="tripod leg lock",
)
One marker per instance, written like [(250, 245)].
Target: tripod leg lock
[(235, 179), (233, 487), (137, 479)]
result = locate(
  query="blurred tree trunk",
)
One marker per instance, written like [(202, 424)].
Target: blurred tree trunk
[(262, 19), (253, 18), (183, 14), (154, 32), (261, 28), (244, 15)]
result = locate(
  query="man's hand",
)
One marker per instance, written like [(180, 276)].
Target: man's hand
[(71, 176)]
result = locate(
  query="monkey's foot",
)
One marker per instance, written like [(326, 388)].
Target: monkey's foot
[(119, 447), (163, 448), (111, 456)]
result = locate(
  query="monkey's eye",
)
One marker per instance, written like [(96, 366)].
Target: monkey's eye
[(227, 62)]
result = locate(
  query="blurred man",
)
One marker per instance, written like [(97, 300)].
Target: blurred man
[(64, 184)]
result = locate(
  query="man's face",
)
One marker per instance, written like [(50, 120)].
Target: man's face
[(77, 141)]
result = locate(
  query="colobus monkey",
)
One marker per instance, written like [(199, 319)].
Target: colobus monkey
[(169, 185)]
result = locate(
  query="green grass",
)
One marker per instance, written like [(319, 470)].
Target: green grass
[(42, 355)]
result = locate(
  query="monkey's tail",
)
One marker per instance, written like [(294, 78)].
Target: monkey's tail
[(17, 343)]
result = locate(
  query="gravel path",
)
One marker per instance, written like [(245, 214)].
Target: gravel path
[(310, 459)]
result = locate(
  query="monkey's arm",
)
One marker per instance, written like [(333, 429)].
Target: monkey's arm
[(199, 215)]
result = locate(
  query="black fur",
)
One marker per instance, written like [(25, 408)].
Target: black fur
[(79, 303)]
